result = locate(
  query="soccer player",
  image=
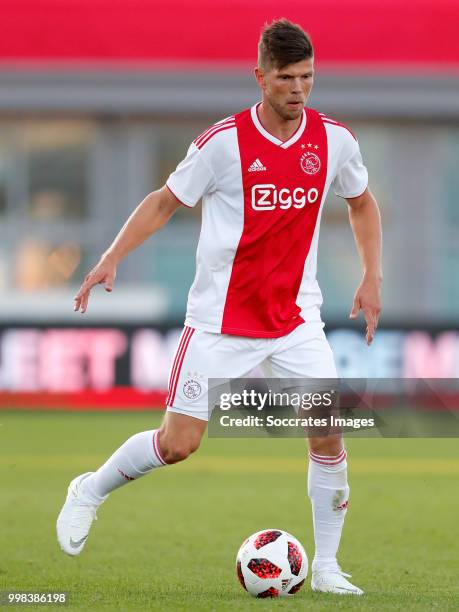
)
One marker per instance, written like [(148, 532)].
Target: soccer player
[(263, 175)]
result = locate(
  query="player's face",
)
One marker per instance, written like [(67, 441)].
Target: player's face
[(287, 89)]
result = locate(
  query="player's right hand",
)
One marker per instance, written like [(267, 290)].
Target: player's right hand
[(102, 274)]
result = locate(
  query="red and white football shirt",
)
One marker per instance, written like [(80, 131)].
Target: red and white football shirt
[(256, 260)]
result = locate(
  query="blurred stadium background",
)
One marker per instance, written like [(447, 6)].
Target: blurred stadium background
[(99, 101)]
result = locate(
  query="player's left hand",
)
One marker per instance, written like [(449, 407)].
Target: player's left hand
[(368, 299)]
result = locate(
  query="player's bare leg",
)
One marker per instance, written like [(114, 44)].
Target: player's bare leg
[(179, 436), (329, 493), (174, 441)]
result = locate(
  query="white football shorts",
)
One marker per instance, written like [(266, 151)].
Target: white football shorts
[(201, 355)]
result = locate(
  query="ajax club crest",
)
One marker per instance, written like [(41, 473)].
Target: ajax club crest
[(310, 162), (192, 388)]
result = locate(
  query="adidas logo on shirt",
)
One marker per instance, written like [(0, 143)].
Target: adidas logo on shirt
[(257, 166)]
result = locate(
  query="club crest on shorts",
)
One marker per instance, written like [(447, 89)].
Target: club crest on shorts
[(310, 162), (192, 389)]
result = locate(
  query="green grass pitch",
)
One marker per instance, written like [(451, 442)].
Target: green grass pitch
[(168, 541)]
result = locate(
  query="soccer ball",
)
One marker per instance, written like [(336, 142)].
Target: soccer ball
[(271, 563)]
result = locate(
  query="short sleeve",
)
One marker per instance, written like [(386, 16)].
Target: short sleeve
[(352, 177), (192, 179)]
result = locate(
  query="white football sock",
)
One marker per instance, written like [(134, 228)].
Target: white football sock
[(329, 494), (135, 458)]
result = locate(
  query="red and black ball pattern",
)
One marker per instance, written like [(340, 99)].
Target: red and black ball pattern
[(271, 592), (263, 568), (296, 588), (240, 575), (294, 558), (266, 538)]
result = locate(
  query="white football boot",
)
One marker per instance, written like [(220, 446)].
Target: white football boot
[(75, 518), (333, 580)]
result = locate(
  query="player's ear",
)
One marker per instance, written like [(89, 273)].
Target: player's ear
[(259, 75)]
